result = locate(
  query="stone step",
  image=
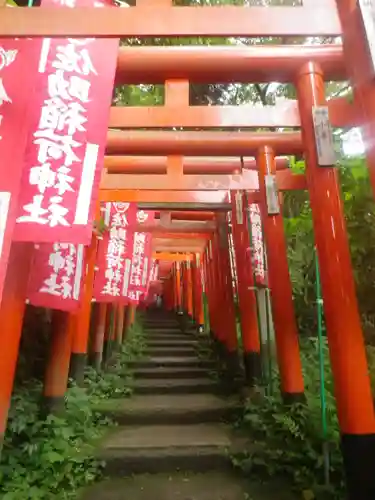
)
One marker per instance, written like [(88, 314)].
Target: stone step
[(171, 409), (166, 337), (179, 342), (161, 324), (157, 448), (214, 485), (175, 362), (148, 332), (160, 319), (173, 322), (161, 372), (178, 386), (167, 328), (163, 352), (172, 332)]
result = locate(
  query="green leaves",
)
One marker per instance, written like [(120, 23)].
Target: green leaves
[(54, 457), (289, 440), (358, 204)]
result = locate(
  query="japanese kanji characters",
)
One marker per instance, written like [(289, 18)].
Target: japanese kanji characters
[(67, 136), (137, 259), (141, 269), (62, 119), (154, 270), (56, 276), (63, 261), (114, 256), (257, 243), (124, 266), (116, 248)]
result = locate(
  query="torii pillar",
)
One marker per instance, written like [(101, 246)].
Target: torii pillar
[(354, 399)]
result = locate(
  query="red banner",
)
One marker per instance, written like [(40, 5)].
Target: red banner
[(67, 137), (154, 272), (141, 259), (56, 276), (18, 73), (115, 252), (257, 252)]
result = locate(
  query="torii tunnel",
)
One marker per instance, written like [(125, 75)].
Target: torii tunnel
[(204, 172)]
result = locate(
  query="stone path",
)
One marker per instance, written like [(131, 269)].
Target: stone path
[(172, 442)]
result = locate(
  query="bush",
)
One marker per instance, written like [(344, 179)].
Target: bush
[(53, 457), (290, 441)]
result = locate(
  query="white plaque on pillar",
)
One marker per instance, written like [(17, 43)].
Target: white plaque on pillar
[(165, 219), (210, 249), (367, 10), (272, 198), (239, 207), (323, 137)]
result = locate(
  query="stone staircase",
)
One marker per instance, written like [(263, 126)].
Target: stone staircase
[(175, 420), (173, 441)]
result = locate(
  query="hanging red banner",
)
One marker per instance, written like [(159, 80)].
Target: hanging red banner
[(257, 251), (141, 259), (67, 137), (18, 73), (154, 272), (152, 276), (115, 253), (56, 276)]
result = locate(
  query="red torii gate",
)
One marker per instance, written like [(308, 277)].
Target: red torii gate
[(308, 70)]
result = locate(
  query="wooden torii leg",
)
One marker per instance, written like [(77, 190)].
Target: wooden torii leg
[(98, 335), (246, 294), (12, 310), (57, 369), (81, 334), (352, 386), (286, 332)]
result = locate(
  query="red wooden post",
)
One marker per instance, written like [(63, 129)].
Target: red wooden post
[(208, 273), (189, 290), (133, 310), (129, 318), (353, 394), (228, 312), (183, 286), (98, 336), (57, 370), (286, 331), (178, 297), (81, 334), (198, 290), (12, 310), (120, 325), (169, 294), (217, 294), (108, 334), (246, 294)]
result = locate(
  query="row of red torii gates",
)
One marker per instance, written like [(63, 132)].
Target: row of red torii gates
[(189, 174)]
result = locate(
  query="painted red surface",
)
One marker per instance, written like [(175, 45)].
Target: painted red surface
[(67, 136)]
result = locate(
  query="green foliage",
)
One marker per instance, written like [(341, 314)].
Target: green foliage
[(289, 441), (359, 213), (49, 458), (52, 457)]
